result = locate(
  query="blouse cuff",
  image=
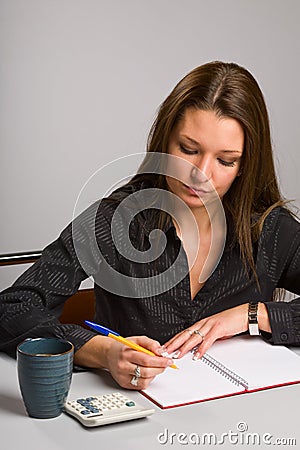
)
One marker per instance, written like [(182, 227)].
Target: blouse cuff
[(75, 334), (281, 322)]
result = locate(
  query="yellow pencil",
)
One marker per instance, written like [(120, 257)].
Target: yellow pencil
[(117, 337)]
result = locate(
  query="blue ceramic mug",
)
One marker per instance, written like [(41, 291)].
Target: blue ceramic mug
[(45, 371)]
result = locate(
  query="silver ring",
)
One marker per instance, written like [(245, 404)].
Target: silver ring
[(189, 331), (134, 381), (200, 334), (137, 372)]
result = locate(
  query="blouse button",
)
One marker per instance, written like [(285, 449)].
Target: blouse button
[(284, 336)]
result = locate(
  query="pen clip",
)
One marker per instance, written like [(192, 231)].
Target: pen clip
[(100, 328)]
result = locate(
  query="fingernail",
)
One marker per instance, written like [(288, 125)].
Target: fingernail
[(176, 354), (196, 357), (170, 362), (166, 354), (161, 350)]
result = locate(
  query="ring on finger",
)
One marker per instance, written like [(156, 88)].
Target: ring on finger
[(134, 381), (189, 331), (137, 372), (199, 333)]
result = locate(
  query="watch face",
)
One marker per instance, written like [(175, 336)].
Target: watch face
[(253, 329)]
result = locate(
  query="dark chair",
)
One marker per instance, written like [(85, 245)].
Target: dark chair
[(79, 307)]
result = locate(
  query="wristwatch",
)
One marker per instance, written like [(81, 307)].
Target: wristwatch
[(252, 319)]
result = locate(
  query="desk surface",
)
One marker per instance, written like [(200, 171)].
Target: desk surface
[(270, 415)]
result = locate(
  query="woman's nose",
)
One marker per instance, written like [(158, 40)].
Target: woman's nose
[(202, 169)]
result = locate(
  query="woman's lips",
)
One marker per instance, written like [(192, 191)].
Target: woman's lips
[(196, 191)]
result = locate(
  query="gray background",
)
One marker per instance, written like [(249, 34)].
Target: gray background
[(81, 81)]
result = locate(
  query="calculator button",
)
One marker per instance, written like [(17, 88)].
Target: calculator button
[(130, 404), (85, 412)]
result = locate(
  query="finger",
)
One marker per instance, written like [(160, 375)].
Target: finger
[(207, 342), (170, 341), (148, 343), (138, 384), (215, 333), (204, 346), (146, 372), (194, 341), (177, 341), (142, 359), (195, 337)]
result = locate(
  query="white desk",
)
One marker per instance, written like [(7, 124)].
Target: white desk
[(275, 411)]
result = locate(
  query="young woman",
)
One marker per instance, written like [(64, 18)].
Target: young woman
[(212, 140)]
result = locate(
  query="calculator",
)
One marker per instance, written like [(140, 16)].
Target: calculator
[(97, 410)]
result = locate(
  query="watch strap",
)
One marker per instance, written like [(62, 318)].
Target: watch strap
[(252, 319)]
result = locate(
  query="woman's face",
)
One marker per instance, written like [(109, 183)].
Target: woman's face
[(212, 144)]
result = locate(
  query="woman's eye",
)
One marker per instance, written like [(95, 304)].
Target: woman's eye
[(187, 151), (221, 161), (227, 163)]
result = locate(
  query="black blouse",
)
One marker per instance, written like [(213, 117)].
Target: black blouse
[(135, 296)]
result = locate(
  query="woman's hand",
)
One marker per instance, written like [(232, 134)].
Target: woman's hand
[(122, 361), (219, 326)]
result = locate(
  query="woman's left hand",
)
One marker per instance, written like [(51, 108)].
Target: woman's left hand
[(205, 332)]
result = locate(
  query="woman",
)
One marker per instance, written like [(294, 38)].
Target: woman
[(215, 125)]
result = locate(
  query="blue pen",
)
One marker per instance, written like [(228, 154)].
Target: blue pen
[(100, 328), (107, 332)]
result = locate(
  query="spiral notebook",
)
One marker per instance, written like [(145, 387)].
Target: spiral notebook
[(232, 366)]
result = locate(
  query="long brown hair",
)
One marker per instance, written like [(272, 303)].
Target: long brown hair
[(230, 91)]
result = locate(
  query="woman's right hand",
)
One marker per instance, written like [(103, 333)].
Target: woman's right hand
[(121, 361)]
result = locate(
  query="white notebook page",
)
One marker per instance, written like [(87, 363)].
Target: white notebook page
[(258, 362)]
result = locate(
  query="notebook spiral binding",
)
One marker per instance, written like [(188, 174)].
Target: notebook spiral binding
[(224, 371)]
